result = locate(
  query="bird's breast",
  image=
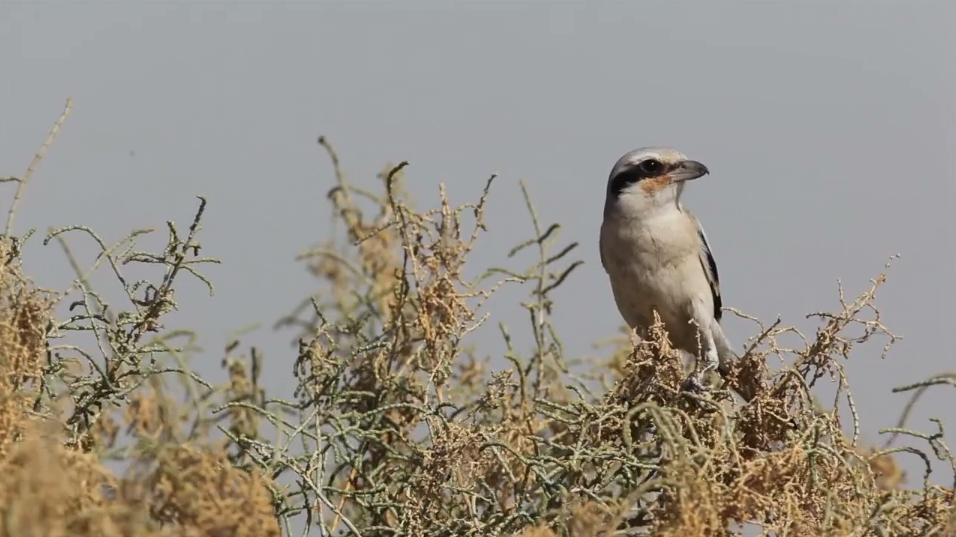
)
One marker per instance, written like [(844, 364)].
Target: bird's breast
[(650, 244), (653, 265)]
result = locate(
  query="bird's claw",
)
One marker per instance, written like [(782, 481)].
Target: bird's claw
[(694, 385), (695, 381)]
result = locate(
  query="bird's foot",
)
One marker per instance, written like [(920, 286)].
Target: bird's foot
[(693, 384)]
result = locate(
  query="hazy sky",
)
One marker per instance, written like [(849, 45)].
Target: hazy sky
[(829, 130)]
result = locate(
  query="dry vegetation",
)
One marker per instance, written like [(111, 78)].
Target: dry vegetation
[(397, 427)]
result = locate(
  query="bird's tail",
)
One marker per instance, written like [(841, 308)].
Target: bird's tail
[(725, 353), (727, 357)]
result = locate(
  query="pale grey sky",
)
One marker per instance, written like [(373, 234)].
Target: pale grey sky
[(829, 130)]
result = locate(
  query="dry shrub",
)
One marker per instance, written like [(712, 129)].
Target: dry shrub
[(414, 436), (399, 426), (202, 493), (51, 491), (63, 405), (47, 489), (25, 313)]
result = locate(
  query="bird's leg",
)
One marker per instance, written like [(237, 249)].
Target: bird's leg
[(695, 381), (711, 359), (636, 337)]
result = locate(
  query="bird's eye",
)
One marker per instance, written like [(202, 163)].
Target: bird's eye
[(651, 166)]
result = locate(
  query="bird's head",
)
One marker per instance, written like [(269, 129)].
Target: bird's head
[(649, 179)]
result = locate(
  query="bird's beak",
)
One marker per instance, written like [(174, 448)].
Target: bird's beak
[(688, 170)]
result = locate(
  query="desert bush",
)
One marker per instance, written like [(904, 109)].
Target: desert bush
[(397, 427)]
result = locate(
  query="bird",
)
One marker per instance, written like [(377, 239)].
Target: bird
[(657, 257)]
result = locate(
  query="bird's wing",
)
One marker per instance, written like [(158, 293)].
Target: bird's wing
[(709, 265), (601, 248)]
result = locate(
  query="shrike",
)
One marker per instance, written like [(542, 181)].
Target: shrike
[(657, 257)]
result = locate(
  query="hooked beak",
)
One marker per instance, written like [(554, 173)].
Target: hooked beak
[(688, 170)]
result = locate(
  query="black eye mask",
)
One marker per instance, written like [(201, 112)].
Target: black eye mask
[(646, 169)]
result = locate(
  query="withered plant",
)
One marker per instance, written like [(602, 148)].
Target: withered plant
[(400, 426)]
